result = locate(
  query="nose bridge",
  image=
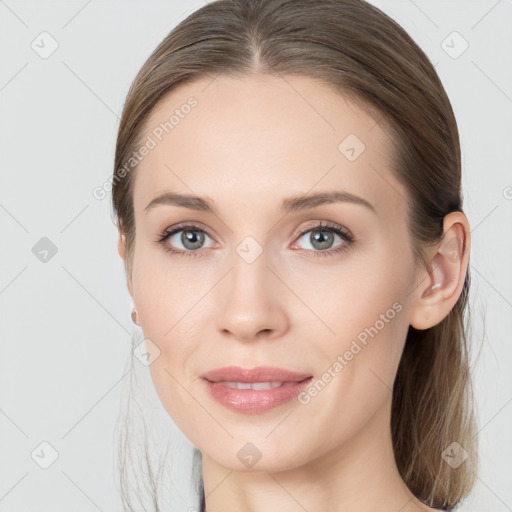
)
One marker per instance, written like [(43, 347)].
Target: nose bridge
[(249, 274), (250, 304)]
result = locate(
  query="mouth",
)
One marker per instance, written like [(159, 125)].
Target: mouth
[(252, 391)]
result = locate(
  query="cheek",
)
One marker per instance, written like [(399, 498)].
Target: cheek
[(363, 310), (173, 306), (169, 292), (358, 364), (353, 295), (370, 325), (172, 316)]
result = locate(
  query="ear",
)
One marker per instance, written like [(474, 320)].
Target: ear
[(121, 249), (442, 281)]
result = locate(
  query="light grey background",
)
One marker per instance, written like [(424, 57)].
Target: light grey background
[(65, 324)]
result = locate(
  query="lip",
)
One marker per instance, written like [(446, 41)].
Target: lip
[(254, 401), (259, 374)]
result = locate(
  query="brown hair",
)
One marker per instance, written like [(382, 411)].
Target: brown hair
[(366, 56)]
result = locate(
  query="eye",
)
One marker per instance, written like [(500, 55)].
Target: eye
[(188, 239), (321, 238)]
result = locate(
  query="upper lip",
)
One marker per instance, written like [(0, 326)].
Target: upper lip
[(259, 374)]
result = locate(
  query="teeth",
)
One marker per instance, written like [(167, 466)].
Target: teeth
[(255, 385)]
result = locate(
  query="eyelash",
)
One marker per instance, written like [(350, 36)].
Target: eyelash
[(332, 228)]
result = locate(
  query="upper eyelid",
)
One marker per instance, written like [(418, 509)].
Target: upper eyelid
[(186, 227), (314, 224), (327, 225)]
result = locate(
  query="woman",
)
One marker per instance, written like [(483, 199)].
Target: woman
[(287, 186)]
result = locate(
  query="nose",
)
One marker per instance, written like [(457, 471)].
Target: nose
[(251, 302)]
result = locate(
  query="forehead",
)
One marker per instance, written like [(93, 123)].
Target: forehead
[(246, 140)]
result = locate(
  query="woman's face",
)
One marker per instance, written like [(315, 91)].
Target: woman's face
[(245, 287)]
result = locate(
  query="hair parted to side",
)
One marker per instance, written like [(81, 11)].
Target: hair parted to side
[(367, 57)]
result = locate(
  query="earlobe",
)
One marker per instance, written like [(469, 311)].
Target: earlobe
[(444, 276)]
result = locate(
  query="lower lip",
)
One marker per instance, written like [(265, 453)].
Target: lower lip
[(255, 401)]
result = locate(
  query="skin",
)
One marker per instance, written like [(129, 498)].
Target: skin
[(249, 144)]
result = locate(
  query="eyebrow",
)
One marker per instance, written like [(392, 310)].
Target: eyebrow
[(291, 204)]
